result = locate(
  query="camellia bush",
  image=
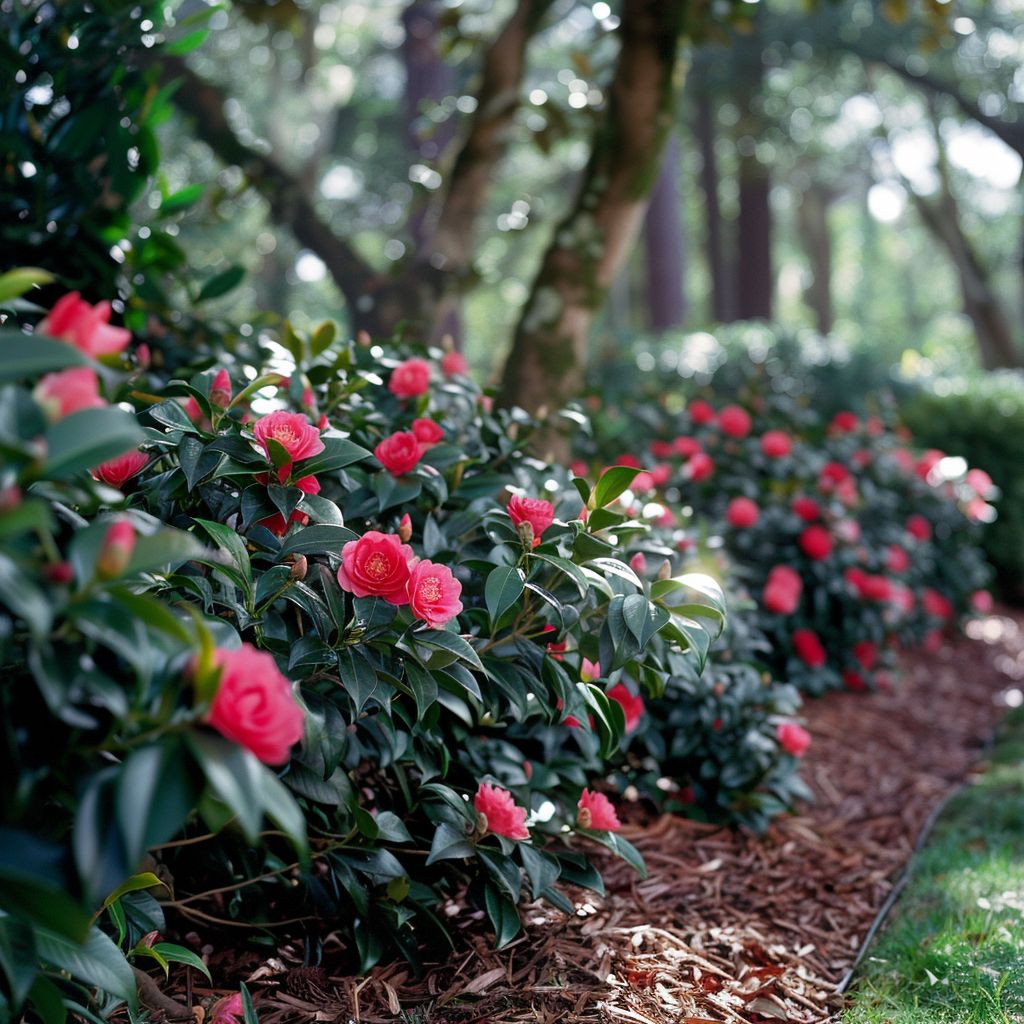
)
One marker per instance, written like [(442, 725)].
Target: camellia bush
[(308, 643), (850, 541)]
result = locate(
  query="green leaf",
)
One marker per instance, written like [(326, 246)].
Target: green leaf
[(235, 777), (181, 200), (21, 595), (502, 590), (179, 955), (232, 545), (222, 283), (17, 955), (18, 281), (86, 438), (97, 962), (613, 481), (358, 676), (143, 880), (541, 869), (567, 568), (27, 356), (451, 642), (187, 43), (503, 914), (248, 1010), (317, 540)]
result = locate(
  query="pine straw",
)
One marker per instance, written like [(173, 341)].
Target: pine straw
[(728, 927)]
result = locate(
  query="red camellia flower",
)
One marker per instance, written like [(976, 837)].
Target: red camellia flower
[(434, 593), (686, 447), (807, 509), (809, 648), (293, 431), (410, 379), (776, 444), (919, 528), (453, 364), (866, 653), (86, 327), (935, 604), (928, 462), (596, 811), (794, 739), (116, 472), (254, 705), (834, 473), (853, 680), (376, 565), (427, 431), (540, 514), (896, 558), (870, 587), (116, 549), (734, 421), (628, 460), (981, 602), (632, 704), (500, 813), (816, 542), (660, 450), (701, 412), (844, 422), (782, 590), (660, 474), (60, 394), (700, 467), (638, 563), (276, 523), (399, 453), (742, 513)]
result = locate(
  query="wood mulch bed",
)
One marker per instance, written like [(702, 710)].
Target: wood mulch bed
[(728, 927)]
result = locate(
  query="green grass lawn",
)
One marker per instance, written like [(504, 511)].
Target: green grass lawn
[(952, 950)]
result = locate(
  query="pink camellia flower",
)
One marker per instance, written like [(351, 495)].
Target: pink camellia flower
[(833, 473), (500, 813), (807, 509), (227, 1010), (410, 379), (427, 431), (660, 474), (809, 648), (377, 565), (589, 670), (661, 449), (276, 523), (919, 528), (735, 421), (871, 587), (980, 481), (434, 594), (816, 542), (982, 603), (701, 412), (875, 426), (254, 705), (116, 549), (540, 514), (220, 390), (776, 444), (628, 460), (848, 531), (454, 364), (742, 513), (928, 462), (642, 483), (405, 528), (844, 422), (293, 431), (932, 641), (862, 458), (782, 590), (866, 653), (686, 447), (193, 410), (700, 467), (579, 468), (632, 704), (794, 739), (143, 356), (86, 327), (400, 453), (638, 563), (935, 604), (116, 472), (67, 391), (896, 558), (596, 811)]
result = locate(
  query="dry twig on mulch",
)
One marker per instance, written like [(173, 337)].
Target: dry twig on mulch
[(728, 927)]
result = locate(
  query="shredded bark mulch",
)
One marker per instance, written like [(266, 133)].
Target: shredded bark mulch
[(729, 926)]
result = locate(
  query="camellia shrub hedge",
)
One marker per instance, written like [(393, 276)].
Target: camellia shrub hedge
[(309, 643)]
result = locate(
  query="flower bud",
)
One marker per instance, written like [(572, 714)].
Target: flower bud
[(299, 567), (584, 818), (220, 390), (525, 531), (363, 338), (143, 356), (638, 563), (405, 528), (116, 549), (60, 572)]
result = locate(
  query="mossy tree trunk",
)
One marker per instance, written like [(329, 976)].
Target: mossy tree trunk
[(665, 246), (722, 304), (813, 228), (546, 364)]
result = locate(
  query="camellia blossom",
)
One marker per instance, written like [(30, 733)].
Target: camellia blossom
[(844, 422), (776, 444), (117, 472), (735, 421), (86, 327), (700, 411), (293, 431), (67, 391), (794, 739), (405, 527), (116, 549), (816, 542), (254, 705), (807, 509), (400, 453), (638, 563), (454, 364), (596, 811), (742, 513), (377, 565), (427, 431), (935, 604), (434, 593), (589, 670), (809, 648), (220, 390), (686, 447), (919, 528), (500, 813), (410, 379), (632, 704), (896, 558), (782, 590), (866, 653), (700, 467), (981, 602), (540, 514)]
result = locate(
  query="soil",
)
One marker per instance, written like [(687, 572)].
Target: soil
[(728, 926)]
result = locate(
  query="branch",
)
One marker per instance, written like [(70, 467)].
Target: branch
[(450, 243), (203, 102)]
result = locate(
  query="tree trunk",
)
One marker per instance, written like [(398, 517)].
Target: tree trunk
[(546, 363), (718, 270), (755, 278), (812, 224), (665, 246)]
